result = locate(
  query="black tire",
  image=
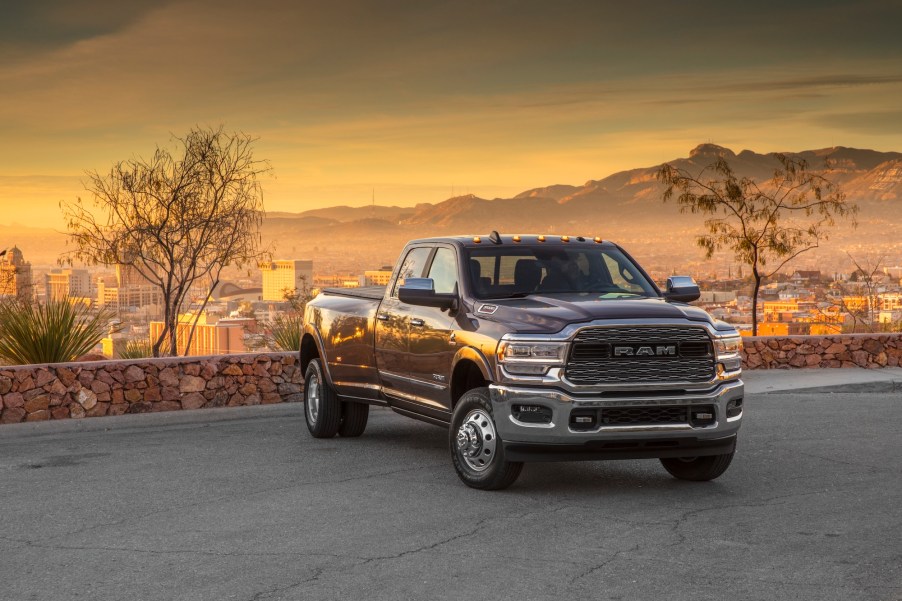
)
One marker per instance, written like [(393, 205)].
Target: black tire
[(697, 469), (353, 419), (322, 409), (479, 457)]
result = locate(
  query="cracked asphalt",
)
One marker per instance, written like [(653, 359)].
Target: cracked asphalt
[(255, 509)]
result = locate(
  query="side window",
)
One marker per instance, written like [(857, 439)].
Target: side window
[(413, 266), (444, 270)]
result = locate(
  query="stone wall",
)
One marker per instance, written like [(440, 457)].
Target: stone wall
[(93, 389), (849, 350)]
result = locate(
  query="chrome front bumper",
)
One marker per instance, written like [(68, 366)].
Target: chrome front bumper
[(559, 432)]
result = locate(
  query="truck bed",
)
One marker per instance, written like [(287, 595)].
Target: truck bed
[(366, 292)]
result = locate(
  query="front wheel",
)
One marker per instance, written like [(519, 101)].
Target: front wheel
[(476, 449), (697, 469)]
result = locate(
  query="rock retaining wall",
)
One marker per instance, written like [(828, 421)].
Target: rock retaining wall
[(850, 350), (93, 389)]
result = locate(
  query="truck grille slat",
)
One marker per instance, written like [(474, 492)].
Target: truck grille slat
[(592, 360)]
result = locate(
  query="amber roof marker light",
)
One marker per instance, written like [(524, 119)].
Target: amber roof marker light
[(477, 239), (516, 238), (597, 239), (541, 238), (565, 238)]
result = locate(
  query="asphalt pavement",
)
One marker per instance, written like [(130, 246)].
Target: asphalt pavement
[(246, 505)]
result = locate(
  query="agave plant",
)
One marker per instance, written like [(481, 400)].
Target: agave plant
[(286, 332), (55, 332), (136, 349)]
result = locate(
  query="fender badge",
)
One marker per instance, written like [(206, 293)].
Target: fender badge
[(487, 309)]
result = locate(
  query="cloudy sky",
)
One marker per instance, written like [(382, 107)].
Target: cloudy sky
[(418, 98)]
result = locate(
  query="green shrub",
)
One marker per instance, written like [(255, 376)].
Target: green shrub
[(286, 332), (55, 332), (136, 349)]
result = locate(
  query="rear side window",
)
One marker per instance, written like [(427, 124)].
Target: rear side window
[(413, 266)]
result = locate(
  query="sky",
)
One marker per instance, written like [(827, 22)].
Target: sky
[(413, 101)]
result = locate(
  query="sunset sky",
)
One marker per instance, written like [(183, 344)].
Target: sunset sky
[(413, 97)]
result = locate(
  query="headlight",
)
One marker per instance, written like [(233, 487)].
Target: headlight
[(531, 358), (727, 348), (728, 352)]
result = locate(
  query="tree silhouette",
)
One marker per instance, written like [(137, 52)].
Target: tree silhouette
[(177, 220), (765, 225)]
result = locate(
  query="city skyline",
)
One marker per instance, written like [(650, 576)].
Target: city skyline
[(416, 101)]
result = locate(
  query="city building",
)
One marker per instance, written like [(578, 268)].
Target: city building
[(128, 289), (15, 275), (67, 283), (377, 277), (281, 278), (336, 281), (212, 336)]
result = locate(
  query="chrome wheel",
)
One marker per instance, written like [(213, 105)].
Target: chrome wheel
[(476, 440), (311, 398)]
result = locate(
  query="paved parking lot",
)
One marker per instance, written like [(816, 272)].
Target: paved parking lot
[(256, 509)]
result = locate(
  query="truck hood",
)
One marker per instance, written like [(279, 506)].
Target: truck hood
[(550, 314)]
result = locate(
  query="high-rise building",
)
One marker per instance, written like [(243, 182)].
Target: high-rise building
[(285, 277), (65, 283), (15, 275), (129, 289)]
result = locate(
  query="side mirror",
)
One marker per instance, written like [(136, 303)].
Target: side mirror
[(421, 291), (682, 289)]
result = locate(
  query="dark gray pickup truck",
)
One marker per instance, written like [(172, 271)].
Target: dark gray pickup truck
[(529, 348)]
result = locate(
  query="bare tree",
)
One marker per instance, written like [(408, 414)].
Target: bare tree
[(177, 220), (766, 225), (865, 281)]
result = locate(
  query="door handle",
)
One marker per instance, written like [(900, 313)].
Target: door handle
[(417, 322), (382, 316)]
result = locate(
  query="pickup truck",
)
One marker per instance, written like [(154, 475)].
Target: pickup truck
[(529, 348)]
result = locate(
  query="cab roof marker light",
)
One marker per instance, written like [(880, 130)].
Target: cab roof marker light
[(597, 239), (565, 238), (516, 238), (477, 239), (541, 238)]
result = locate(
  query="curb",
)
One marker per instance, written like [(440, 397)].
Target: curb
[(149, 420), (882, 386)]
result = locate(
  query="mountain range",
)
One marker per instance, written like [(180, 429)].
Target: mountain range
[(625, 207)]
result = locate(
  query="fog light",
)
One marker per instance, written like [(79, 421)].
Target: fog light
[(531, 414), (702, 416), (583, 419), (734, 408)]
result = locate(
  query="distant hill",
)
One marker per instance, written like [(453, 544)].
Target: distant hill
[(625, 206)]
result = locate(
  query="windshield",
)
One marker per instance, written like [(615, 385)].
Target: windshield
[(510, 272)]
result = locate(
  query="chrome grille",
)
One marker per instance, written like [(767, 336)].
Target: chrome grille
[(591, 361)]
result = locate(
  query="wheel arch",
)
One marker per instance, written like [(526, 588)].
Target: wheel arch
[(312, 348), (470, 370)]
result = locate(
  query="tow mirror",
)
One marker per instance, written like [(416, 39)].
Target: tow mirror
[(682, 289), (421, 291)]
